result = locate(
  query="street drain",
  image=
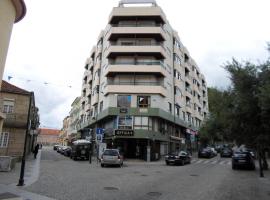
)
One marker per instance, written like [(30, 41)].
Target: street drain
[(144, 175), (154, 194), (194, 175), (110, 188)]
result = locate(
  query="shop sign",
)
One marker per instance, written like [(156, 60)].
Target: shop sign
[(123, 110), (124, 132)]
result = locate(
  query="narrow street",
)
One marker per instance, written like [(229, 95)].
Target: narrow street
[(62, 178)]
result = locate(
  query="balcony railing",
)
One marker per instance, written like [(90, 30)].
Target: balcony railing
[(135, 83), (136, 43), (154, 62), (15, 120), (136, 25)]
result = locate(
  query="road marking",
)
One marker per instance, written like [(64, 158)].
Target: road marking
[(205, 162), (199, 161), (222, 162), (214, 162)]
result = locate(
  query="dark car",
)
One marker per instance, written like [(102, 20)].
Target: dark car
[(243, 159), (178, 157), (55, 147), (226, 152), (80, 150), (66, 151), (206, 153), (59, 149)]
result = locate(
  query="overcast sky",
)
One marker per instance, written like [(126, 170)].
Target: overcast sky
[(49, 46)]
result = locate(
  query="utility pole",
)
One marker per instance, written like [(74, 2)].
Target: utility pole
[(21, 180)]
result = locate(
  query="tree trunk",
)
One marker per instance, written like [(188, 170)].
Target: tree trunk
[(260, 164), (265, 164)]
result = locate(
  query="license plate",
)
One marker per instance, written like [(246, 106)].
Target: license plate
[(241, 161)]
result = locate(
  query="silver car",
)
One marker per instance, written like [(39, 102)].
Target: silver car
[(111, 157)]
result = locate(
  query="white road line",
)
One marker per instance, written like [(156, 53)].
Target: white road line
[(214, 162), (207, 161), (199, 161), (222, 162)]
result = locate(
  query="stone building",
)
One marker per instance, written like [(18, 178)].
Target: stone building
[(47, 136), (14, 103), (11, 11)]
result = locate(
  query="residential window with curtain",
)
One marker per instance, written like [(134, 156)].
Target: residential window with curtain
[(4, 137), (8, 106), (124, 101)]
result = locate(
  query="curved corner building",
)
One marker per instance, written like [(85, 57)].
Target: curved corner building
[(11, 11), (141, 85)]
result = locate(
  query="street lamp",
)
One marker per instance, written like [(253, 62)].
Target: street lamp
[(21, 180)]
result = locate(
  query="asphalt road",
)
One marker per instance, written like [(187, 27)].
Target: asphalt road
[(204, 179)]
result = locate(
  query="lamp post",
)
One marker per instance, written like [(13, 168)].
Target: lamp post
[(21, 180)]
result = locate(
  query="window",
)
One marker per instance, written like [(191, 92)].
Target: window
[(8, 106), (101, 106), (188, 116), (177, 44), (170, 107), (143, 123), (177, 110), (123, 101), (176, 59), (4, 137), (184, 115), (124, 122), (143, 101)]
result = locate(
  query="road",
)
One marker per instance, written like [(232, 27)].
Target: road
[(204, 179)]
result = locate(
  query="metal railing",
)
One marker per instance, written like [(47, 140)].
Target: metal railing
[(154, 62), (136, 43), (134, 83), (136, 25)]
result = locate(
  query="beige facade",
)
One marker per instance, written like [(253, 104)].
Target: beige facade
[(15, 105), (10, 11), (141, 79)]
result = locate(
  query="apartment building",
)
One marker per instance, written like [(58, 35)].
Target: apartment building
[(11, 11), (141, 86), (15, 104), (74, 118)]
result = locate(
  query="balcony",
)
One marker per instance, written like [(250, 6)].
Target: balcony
[(135, 88), (151, 67), (141, 49), (154, 13), (15, 120), (132, 30)]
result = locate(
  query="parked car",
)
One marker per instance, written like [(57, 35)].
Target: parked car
[(178, 157), (226, 152), (66, 151), (111, 157), (243, 159), (59, 149), (206, 153), (80, 150), (55, 147)]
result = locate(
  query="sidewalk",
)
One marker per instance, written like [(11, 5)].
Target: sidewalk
[(9, 180)]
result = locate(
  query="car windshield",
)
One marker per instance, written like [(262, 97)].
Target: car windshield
[(111, 152)]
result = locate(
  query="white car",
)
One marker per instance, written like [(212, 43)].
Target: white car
[(111, 157)]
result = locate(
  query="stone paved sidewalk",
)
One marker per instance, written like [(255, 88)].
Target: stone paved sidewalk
[(9, 180)]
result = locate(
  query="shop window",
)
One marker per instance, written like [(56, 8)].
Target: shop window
[(124, 122), (123, 101), (143, 101)]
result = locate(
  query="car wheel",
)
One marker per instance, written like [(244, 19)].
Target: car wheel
[(252, 167), (102, 165), (167, 163), (233, 167), (74, 158), (182, 162)]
